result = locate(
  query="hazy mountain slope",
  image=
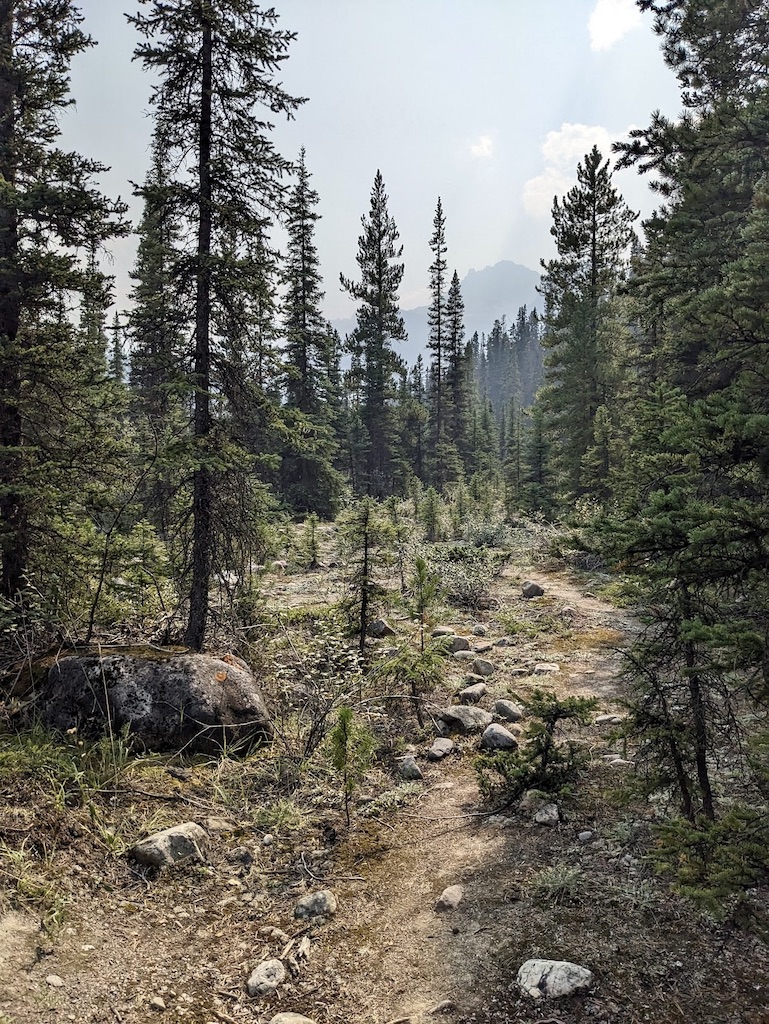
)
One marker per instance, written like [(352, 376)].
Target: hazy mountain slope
[(489, 294)]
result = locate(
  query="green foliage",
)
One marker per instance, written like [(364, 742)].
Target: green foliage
[(543, 764), (467, 573), (416, 670), (352, 747), (713, 860), (431, 515)]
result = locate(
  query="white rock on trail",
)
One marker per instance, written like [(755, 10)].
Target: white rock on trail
[(553, 978), (316, 904), (450, 898), (171, 846), (265, 979)]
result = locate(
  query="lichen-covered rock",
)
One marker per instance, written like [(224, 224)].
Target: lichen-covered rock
[(457, 643), (464, 719), (553, 978), (482, 667), (443, 631), (316, 904), (548, 815), (531, 589), (266, 978), (194, 702), (171, 846)]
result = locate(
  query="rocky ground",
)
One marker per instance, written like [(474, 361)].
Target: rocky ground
[(129, 943)]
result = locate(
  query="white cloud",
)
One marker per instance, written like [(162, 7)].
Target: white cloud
[(562, 151), (483, 148), (610, 21)]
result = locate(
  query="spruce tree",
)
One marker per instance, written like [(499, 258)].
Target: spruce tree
[(436, 319), (592, 228), (52, 217), (214, 64), (378, 325)]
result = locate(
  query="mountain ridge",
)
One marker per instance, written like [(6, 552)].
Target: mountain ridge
[(497, 290)]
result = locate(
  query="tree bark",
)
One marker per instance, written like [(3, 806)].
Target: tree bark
[(13, 517), (202, 485)]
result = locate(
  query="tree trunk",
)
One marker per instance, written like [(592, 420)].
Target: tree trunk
[(202, 489), (13, 517)]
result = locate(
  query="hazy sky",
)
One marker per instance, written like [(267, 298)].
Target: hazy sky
[(489, 104)]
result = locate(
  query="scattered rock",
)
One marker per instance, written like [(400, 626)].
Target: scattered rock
[(380, 628), (274, 933), (483, 648), (496, 737), (547, 815), (520, 670), (545, 668), (157, 1003), (504, 641), (553, 978), (458, 643), (464, 655), (450, 898), (586, 836), (443, 631), (481, 667), (191, 702), (268, 839), (473, 694), (265, 979), (316, 904), (531, 589), (290, 1018), (620, 762), (54, 981), (532, 800), (409, 769), (171, 846), (479, 630), (464, 719), (608, 720), (508, 711), (441, 748)]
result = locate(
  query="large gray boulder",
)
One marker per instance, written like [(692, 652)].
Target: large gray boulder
[(172, 846), (194, 702)]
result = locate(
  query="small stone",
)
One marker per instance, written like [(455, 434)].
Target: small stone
[(519, 670), (54, 981), (483, 648), (479, 630), (545, 668), (274, 933), (457, 644), (532, 800), (157, 1003), (443, 631), (481, 667), (380, 628), (441, 748), (531, 589), (268, 840), (608, 720), (620, 762), (450, 898), (464, 656), (171, 846), (508, 711), (553, 979), (496, 737), (290, 1018), (586, 836), (265, 979), (504, 641), (316, 904), (473, 694), (547, 815), (409, 769)]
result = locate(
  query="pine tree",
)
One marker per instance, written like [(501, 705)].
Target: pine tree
[(213, 63), (592, 228), (436, 319), (51, 218), (378, 325)]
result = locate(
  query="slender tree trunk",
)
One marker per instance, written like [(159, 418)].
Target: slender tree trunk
[(202, 485), (13, 519), (697, 704)]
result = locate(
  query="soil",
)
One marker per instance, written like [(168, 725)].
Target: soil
[(189, 937)]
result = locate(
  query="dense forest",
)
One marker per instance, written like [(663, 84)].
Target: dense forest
[(148, 459)]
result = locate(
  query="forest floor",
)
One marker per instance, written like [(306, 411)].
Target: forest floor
[(121, 945)]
